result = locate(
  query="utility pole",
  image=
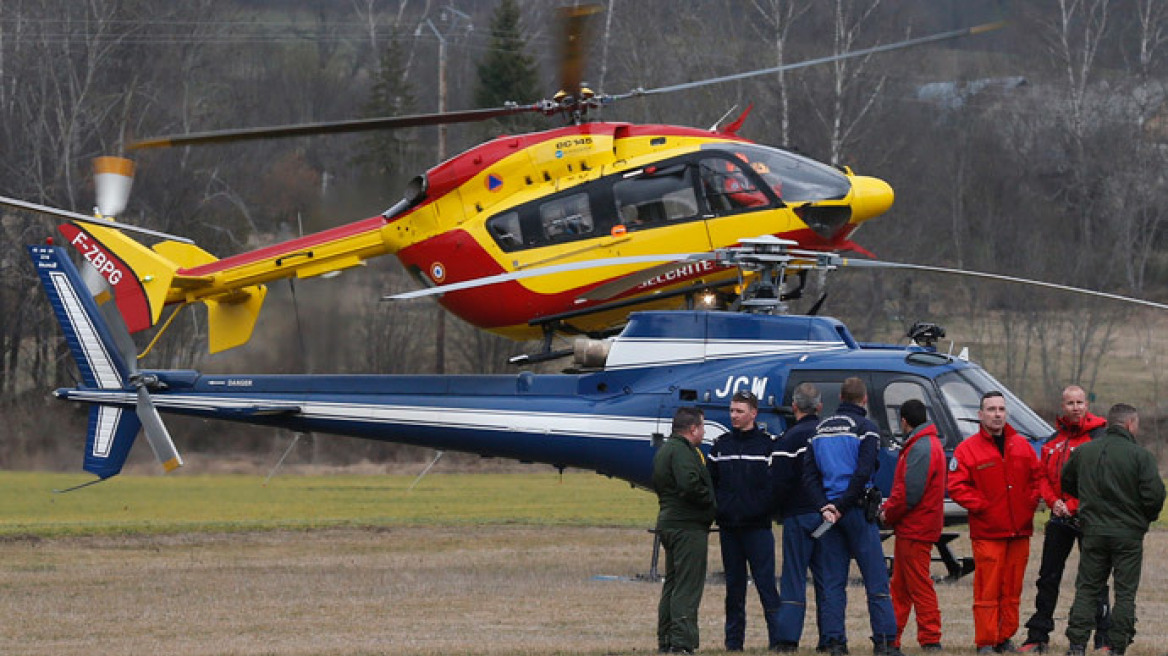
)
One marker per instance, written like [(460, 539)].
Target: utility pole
[(452, 19)]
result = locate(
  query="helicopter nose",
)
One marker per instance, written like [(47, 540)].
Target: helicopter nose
[(871, 197)]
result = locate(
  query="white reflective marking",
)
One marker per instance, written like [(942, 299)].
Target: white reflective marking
[(96, 355), (107, 423)]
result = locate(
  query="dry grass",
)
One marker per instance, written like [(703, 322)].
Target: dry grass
[(425, 590)]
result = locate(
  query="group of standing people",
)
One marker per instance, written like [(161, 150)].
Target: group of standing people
[(817, 480)]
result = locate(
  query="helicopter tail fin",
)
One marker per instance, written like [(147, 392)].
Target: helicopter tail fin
[(139, 276), (142, 277), (113, 426)]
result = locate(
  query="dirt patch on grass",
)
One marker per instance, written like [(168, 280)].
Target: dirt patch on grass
[(427, 590)]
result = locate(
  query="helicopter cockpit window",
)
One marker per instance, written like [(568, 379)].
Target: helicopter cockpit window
[(728, 188), (962, 391), (655, 199), (506, 230), (895, 394), (567, 218), (792, 177)]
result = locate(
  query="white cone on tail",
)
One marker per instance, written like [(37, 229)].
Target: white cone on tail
[(112, 179)]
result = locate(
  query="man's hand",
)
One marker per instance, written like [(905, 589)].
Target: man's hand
[(1060, 509), (830, 513)]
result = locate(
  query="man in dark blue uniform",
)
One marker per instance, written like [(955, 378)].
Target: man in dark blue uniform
[(800, 517), (838, 472), (739, 465)]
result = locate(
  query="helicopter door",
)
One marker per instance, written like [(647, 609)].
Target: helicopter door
[(734, 197), (657, 211)]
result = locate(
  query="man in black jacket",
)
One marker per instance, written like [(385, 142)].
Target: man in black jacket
[(685, 495), (740, 468), (1120, 494)]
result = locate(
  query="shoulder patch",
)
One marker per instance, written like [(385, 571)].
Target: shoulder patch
[(953, 463)]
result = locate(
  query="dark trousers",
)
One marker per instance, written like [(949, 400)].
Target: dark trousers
[(800, 551), (756, 547), (1101, 557), (685, 577), (1058, 540), (855, 538)]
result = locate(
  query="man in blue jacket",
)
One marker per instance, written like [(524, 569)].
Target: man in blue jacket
[(739, 465), (841, 462)]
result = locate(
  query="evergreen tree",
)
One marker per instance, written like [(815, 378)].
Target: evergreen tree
[(386, 153), (507, 73)]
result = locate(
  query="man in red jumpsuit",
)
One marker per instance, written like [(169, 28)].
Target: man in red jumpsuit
[(915, 510), (1076, 426), (994, 475)]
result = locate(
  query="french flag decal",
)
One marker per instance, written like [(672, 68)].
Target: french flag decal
[(494, 182)]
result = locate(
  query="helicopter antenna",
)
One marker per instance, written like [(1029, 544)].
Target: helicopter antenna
[(723, 117)]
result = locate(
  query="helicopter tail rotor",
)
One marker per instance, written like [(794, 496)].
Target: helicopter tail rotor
[(106, 359)]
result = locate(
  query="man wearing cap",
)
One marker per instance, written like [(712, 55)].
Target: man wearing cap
[(739, 465)]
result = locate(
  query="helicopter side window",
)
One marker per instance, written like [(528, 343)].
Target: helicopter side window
[(506, 230), (728, 188), (656, 198), (963, 390), (792, 177), (895, 394), (567, 218)]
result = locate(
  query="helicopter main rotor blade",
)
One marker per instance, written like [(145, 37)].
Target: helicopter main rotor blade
[(334, 127), (942, 36), (576, 21), (633, 280), (543, 271), (81, 218), (878, 264)]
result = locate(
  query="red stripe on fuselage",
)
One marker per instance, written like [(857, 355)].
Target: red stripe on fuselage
[(301, 244)]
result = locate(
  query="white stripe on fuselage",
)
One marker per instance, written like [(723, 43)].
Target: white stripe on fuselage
[(628, 352), (516, 421)]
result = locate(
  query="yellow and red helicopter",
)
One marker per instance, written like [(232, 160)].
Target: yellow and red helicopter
[(625, 194)]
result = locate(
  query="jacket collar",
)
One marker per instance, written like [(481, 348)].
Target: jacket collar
[(924, 430), (1007, 431), (1122, 433), (1088, 423), (851, 409)]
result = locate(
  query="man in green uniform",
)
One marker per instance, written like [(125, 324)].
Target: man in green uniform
[(1120, 493), (686, 498)]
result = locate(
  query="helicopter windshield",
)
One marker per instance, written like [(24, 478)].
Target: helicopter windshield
[(793, 177), (963, 389)]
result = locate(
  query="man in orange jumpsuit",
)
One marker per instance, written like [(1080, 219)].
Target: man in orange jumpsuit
[(994, 475), (916, 512)]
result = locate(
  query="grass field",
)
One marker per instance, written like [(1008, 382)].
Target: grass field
[(201, 503), (464, 564)]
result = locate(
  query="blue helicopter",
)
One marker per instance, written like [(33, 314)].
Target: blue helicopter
[(608, 416)]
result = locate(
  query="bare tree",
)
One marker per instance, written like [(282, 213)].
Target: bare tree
[(778, 16)]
